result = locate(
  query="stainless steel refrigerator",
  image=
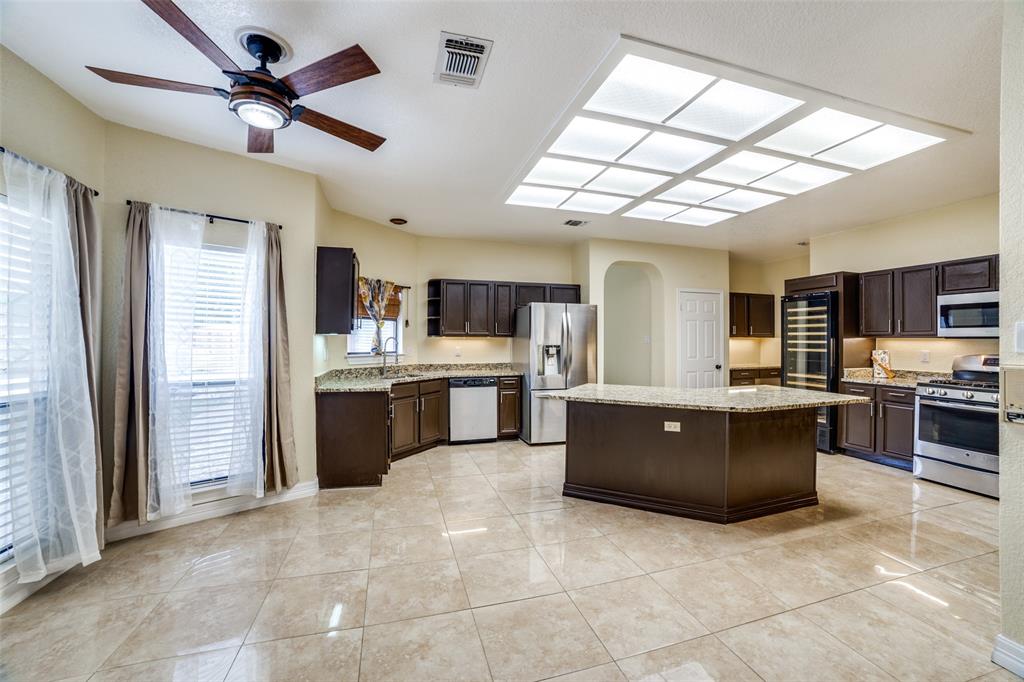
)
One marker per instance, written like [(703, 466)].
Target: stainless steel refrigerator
[(555, 348)]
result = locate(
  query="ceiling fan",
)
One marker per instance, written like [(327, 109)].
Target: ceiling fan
[(266, 103)]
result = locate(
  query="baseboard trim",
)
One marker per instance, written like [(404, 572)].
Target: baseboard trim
[(13, 593), (212, 510), (1009, 654)]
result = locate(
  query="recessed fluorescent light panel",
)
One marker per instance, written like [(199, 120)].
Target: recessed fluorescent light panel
[(673, 153), (541, 197), (733, 111), (823, 129), (562, 173), (594, 139), (588, 202), (646, 90), (798, 178), (659, 134), (744, 167), (654, 210), (878, 146), (743, 200), (700, 216), (694, 192), (622, 181)]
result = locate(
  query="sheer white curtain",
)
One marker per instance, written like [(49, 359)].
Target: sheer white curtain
[(207, 312), (48, 434)]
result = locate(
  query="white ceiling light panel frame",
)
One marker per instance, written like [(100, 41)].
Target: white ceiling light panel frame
[(622, 122)]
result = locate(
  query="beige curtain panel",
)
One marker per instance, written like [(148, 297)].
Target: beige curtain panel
[(131, 381), (282, 469), (84, 227)]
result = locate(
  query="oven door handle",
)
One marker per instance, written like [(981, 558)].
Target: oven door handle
[(960, 406)]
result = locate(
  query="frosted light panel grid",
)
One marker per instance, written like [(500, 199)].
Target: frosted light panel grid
[(878, 146), (654, 210), (646, 90), (733, 111), (744, 167), (622, 181), (823, 129), (669, 136), (563, 173), (798, 178), (673, 153), (693, 192), (593, 139), (743, 200), (588, 202), (700, 216), (541, 197)]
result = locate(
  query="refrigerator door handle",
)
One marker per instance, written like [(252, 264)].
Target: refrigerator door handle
[(567, 354)]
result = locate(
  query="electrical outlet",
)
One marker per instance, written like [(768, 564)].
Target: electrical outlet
[(926, 356), (1018, 337), (672, 426), (458, 351)]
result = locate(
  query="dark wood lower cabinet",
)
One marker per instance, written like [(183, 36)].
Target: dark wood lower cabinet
[(509, 407), (885, 426)]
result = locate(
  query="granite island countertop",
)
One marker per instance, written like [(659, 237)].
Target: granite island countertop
[(732, 399), (368, 378)]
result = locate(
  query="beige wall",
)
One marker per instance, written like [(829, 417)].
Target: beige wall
[(1011, 221), (628, 291), (673, 268), (966, 228), (406, 259)]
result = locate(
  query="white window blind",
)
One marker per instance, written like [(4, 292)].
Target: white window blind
[(360, 341), (22, 260), (209, 379)]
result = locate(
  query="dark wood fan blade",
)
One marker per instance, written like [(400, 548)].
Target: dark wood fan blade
[(341, 67), (349, 133), (180, 22), (261, 140), (150, 82)]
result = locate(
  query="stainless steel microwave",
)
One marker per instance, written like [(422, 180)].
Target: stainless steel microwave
[(969, 315)]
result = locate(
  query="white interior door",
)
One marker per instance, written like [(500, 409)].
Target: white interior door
[(700, 339)]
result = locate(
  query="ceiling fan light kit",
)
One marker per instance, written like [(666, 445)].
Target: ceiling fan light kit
[(258, 98)]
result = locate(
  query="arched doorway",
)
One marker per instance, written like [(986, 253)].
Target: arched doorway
[(630, 340)]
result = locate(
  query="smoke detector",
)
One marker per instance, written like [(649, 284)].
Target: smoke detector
[(573, 222), (461, 60)]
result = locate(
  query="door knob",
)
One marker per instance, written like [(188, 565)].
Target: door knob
[(718, 367)]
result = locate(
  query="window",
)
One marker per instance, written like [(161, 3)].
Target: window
[(360, 341), (206, 381)]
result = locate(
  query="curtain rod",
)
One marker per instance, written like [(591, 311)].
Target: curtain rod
[(3, 150), (210, 216)]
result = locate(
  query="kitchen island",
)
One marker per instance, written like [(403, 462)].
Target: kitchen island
[(717, 454)]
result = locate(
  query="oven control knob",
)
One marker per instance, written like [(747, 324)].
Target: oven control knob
[(930, 391), (942, 391), (968, 395)]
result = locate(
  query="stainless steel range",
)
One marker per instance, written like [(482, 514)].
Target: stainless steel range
[(956, 426)]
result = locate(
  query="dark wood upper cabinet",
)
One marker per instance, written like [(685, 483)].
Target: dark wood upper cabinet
[(479, 308), (531, 293), (751, 315), (563, 293), (877, 303), (337, 289), (454, 296), (914, 294), (761, 315), (737, 314), (969, 275), (504, 308)]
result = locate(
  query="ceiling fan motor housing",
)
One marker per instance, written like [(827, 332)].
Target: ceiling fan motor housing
[(264, 89)]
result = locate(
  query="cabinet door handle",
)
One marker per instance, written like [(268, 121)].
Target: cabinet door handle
[(871, 410), (467, 326), (897, 395), (899, 326), (750, 330), (734, 330)]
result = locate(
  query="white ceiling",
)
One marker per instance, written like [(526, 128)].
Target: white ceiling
[(452, 154)]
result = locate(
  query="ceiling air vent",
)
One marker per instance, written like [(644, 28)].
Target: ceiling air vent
[(461, 60), (575, 223)]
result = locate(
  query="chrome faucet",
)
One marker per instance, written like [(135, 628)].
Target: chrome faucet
[(384, 353)]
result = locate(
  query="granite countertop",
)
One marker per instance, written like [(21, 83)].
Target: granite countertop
[(733, 399), (368, 378), (898, 382), (755, 365), (904, 378)]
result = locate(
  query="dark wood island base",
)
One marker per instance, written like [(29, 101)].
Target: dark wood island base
[(720, 466)]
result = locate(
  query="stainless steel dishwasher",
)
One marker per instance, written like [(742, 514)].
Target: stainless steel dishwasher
[(473, 409)]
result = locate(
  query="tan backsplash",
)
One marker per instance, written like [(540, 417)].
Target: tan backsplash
[(906, 353), (744, 351)]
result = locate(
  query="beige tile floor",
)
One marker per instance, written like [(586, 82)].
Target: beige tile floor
[(468, 564)]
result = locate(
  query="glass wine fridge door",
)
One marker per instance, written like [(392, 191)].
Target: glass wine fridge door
[(807, 343)]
